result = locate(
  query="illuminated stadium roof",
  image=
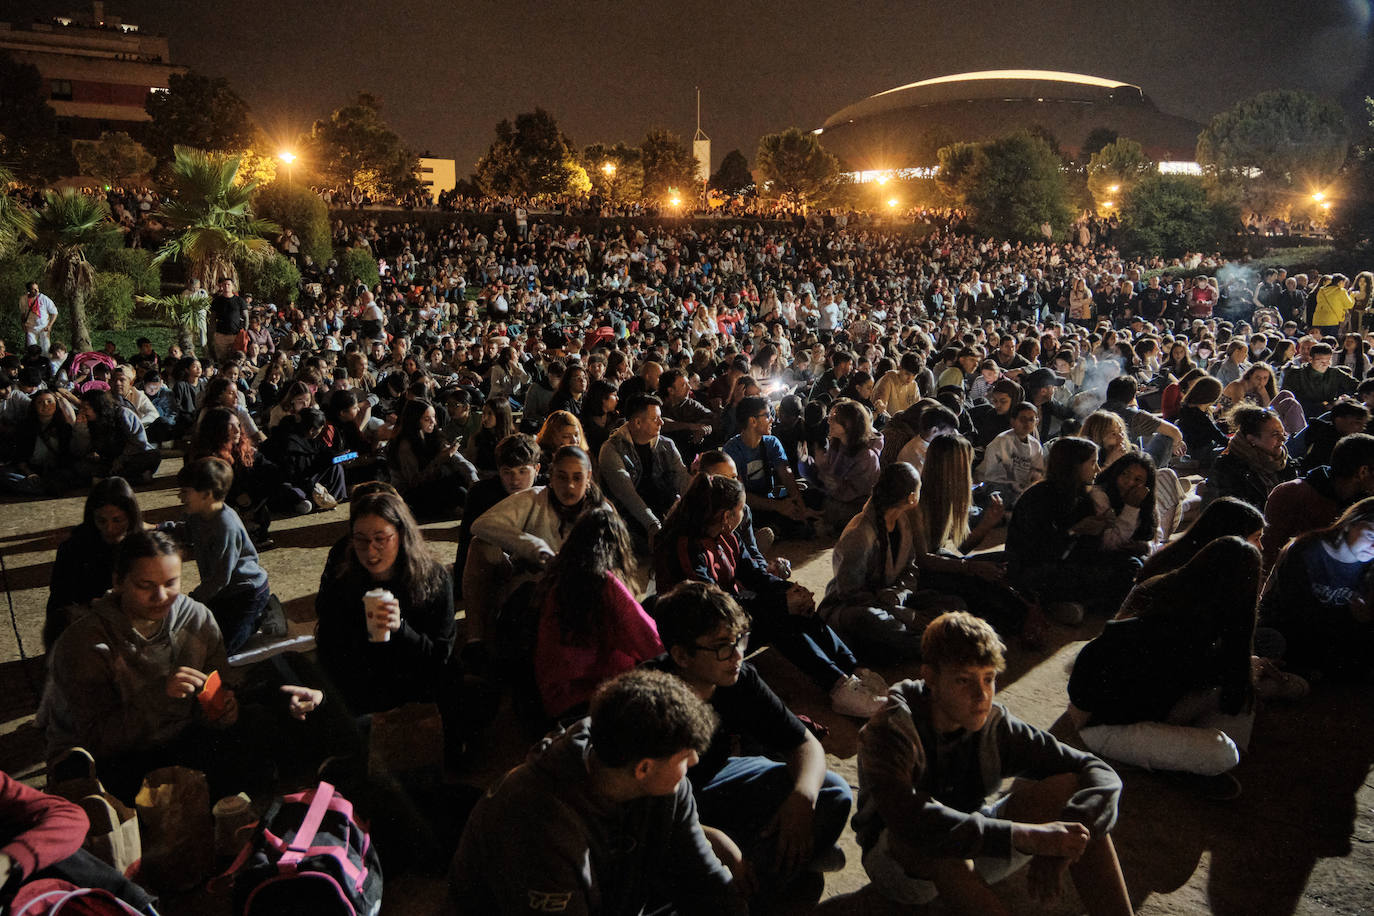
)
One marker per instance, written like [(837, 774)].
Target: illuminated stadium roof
[(903, 126)]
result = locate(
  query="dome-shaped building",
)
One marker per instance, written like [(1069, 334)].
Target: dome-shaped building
[(904, 127)]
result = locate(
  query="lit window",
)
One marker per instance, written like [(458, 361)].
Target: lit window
[(62, 90)]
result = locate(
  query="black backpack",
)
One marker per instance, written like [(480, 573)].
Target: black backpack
[(308, 855)]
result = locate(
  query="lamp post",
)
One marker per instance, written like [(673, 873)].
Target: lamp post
[(287, 157)]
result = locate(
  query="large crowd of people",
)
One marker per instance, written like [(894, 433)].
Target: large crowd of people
[(995, 437)]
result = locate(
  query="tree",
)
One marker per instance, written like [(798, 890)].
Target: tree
[(1292, 140), (113, 158), (354, 148), (296, 207), (1115, 169), (29, 141), (210, 225), (531, 156), (1352, 218), (197, 111), (67, 225), (616, 172), (956, 160), (16, 220), (1172, 214), (1012, 185), (668, 164), (733, 176), (795, 166), (1096, 139)]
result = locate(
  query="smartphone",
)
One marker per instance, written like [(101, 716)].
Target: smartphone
[(346, 456)]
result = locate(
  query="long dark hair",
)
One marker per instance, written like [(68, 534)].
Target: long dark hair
[(416, 570), (1067, 454), (113, 491), (1223, 517), (408, 431), (707, 496), (212, 436), (1145, 527), (597, 547)]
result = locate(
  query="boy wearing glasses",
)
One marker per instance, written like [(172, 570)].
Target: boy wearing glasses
[(766, 820), (771, 489)]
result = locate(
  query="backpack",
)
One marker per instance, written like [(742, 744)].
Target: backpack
[(308, 855)]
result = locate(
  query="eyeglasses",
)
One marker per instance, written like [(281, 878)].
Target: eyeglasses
[(726, 650), (380, 541)]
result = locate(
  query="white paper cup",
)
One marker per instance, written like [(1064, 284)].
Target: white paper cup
[(372, 601)]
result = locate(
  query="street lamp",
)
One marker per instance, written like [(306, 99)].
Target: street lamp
[(609, 169), (1319, 196), (1114, 188), (288, 157), (892, 202)]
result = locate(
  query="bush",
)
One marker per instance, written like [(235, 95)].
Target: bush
[(272, 278), (297, 207), (136, 264), (358, 264), (1172, 214), (16, 272), (110, 304)]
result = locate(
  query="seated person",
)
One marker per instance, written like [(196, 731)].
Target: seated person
[(771, 489), (1124, 500), (1316, 499), (515, 539), (122, 682), (1225, 517), (845, 471), (1201, 433), (40, 838), (600, 818), (1054, 544), (591, 628), (232, 583), (109, 440), (995, 416), (936, 420), (296, 447), (1161, 438), (379, 654), (1317, 385), (874, 570), (1313, 446), (426, 469), (84, 567), (1015, 459), (517, 468), (1318, 597), (642, 470), (698, 543), (777, 811), (1255, 461), (931, 758), (1168, 683)]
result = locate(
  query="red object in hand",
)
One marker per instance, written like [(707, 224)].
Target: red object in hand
[(213, 697)]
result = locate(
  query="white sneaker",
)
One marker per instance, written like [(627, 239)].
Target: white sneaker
[(849, 697), (872, 681)]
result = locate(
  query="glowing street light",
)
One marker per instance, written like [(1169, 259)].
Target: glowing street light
[(287, 157), (1326, 205), (882, 179), (609, 169), (1114, 188), (1319, 196), (676, 201), (892, 202), (1109, 204)]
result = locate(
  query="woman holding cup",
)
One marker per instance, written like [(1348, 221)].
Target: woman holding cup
[(386, 619)]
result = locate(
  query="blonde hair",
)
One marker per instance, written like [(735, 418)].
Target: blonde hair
[(554, 424), (946, 492), (1099, 423)]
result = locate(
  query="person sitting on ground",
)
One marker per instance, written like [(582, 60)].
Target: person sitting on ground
[(515, 539), (1318, 597), (995, 415), (303, 462), (642, 470), (1313, 446), (898, 388), (1318, 385), (1054, 539), (1124, 500), (600, 817), (771, 489), (122, 682), (698, 543), (936, 420), (1167, 685), (428, 471), (109, 440), (560, 428), (928, 763), (1015, 459), (1161, 438), (591, 628), (384, 651), (517, 468), (1201, 433), (777, 812), (232, 584), (870, 596), (1256, 459), (846, 470), (1315, 500), (1225, 517), (497, 423), (84, 567)]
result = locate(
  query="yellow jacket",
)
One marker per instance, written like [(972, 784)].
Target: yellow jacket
[(1332, 303)]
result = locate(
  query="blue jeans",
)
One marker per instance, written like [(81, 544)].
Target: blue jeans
[(237, 614), (743, 797)]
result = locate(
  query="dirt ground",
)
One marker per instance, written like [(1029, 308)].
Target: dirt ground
[(1299, 840)]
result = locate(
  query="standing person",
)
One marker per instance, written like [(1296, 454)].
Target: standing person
[(600, 818), (928, 763), (39, 314), (230, 314)]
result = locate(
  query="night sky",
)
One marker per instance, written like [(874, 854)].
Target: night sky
[(447, 71)]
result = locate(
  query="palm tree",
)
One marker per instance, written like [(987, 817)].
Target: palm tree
[(68, 223), (210, 224), (16, 221)]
